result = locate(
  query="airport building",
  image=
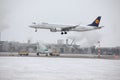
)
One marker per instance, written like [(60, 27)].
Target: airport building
[(6, 46)]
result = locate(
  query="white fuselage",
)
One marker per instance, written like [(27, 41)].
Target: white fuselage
[(65, 28), (58, 28)]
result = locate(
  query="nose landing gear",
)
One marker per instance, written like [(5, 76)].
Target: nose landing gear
[(35, 30)]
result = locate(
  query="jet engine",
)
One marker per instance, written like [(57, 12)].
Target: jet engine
[(53, 30)]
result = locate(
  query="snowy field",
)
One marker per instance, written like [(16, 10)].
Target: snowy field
[(51, 68)]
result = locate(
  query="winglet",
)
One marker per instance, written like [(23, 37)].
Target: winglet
[(96, 22)]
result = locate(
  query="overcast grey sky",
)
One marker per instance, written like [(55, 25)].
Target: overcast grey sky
[(17, 15)]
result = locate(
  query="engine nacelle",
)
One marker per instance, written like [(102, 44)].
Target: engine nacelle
[(53, 30)]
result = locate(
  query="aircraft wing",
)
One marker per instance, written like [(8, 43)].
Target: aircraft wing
[(69, 28)]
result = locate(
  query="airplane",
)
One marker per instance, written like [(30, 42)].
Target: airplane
[(65, 28)]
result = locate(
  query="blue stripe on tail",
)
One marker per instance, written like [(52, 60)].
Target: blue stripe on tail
[(95, 22)]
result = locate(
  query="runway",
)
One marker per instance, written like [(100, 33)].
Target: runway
[(62, 55), (45, 68)]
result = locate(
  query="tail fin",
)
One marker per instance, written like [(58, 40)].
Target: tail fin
[(95, 22)]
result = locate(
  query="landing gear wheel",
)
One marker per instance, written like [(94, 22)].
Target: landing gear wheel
[(65, 32), (62, 33), (35, 30), (37, 53)]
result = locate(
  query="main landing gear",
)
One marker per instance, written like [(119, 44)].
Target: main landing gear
[(63, 32)]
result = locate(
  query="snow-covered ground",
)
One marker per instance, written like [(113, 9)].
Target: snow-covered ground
[(51, 68)]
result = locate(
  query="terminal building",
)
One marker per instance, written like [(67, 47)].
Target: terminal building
[(6, 46)]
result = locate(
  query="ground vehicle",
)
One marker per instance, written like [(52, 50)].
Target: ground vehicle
[(23, 53), (42, 49), (54, 53)]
